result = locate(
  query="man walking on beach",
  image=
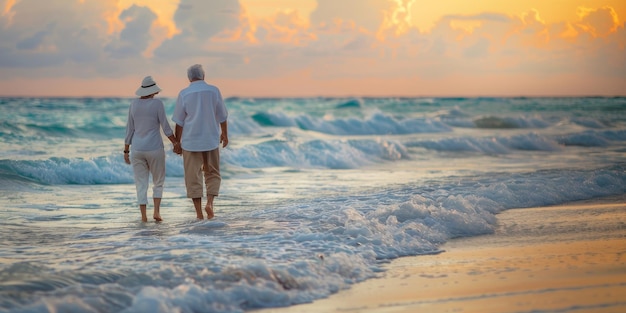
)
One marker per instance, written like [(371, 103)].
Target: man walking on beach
[(201, 125)]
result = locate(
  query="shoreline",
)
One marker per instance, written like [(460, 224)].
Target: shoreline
[(562, 258)]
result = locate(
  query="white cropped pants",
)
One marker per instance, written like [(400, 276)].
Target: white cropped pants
[(145, 163)]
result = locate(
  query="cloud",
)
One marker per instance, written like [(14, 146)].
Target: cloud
[(287, 28), (49, 33), (347, 40), (367, 14), (497, 45), (598, 22), (135, 38), (34, 41), (198, 22)]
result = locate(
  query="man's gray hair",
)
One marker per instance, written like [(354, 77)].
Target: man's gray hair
[(195, 72)]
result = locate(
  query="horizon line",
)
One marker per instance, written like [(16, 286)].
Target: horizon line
[(341, 97)]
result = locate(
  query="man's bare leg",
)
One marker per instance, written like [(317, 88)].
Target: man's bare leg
[(209, 207), (142, 208), (197, 204), (157, 208)]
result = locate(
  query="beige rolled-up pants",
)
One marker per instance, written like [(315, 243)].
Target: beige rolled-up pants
[(198, 163), (145, 163)]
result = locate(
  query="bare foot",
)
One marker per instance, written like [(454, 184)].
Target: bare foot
[(158, 218), (209, 212), (144, 217), (197, 205)]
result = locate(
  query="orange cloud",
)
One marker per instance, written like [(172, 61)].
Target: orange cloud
[(263, 9), (160, 29), (598, 22), (336, 26), (245, 32), (283, 27), (375, 50), (288, 28), (7, 7), (164, 10), (535, 29), (397, 20)]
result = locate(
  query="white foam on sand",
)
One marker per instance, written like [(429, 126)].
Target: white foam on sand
[(568, 258)]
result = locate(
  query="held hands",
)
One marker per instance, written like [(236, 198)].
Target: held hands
[(177, 148)]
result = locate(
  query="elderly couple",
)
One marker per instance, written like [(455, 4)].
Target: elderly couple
[(201, 125)]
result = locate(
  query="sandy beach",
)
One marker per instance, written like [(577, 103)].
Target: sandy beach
[(566, 258)]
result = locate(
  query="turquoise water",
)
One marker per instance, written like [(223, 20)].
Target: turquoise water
[(317, 194)]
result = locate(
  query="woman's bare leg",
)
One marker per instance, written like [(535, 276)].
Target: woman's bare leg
[(142, 208), (157, 207)]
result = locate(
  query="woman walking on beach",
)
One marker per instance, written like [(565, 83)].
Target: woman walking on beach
[(146, 117)]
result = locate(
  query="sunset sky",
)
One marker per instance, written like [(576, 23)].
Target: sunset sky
[(274, 48)]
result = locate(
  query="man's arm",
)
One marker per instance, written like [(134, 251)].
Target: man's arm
[(178, 132), (224, 135)]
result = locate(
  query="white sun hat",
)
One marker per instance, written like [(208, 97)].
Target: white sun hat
[(148, 87)]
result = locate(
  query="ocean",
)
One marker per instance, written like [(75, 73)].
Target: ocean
[(317, 195)]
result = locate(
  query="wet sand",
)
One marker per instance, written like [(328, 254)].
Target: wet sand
[(567, 258)]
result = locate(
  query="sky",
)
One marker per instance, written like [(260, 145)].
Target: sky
[(304, 48)]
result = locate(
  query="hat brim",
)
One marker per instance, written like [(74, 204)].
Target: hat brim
[(142, 92)]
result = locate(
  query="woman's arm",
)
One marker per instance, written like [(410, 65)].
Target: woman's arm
[(130, 131)]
